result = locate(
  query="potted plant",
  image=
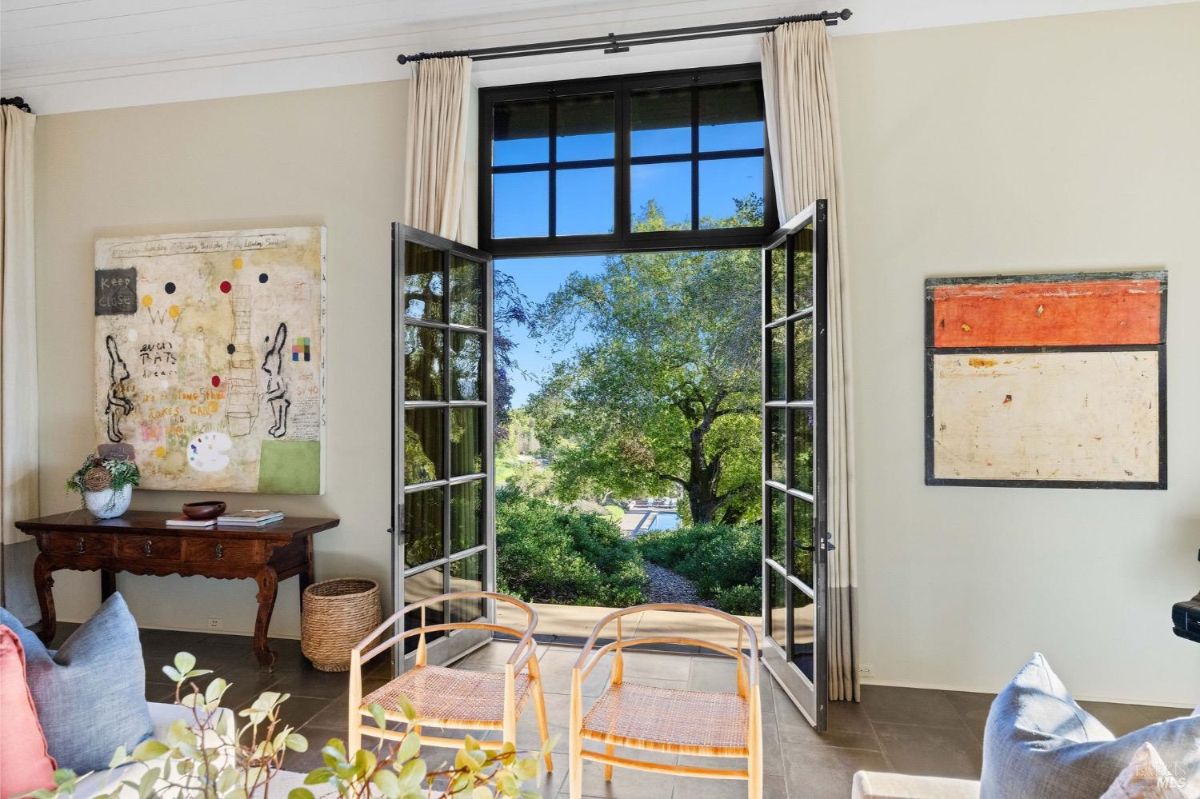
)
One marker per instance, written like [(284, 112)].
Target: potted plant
[(106, 482)]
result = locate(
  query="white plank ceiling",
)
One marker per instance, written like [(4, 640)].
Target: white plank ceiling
[(66, 55)]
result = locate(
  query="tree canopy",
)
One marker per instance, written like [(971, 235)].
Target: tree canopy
[(666, 397)]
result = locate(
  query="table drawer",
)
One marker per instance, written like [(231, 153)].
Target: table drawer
[(80, 543), (152, 547), (215, 550)]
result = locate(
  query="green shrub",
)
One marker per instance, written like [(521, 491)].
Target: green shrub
[(547, 553), (724, 561)]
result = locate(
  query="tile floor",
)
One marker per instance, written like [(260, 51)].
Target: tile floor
[(895, 729)]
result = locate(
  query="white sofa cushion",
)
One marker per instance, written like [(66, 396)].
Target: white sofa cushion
[(878, 785)]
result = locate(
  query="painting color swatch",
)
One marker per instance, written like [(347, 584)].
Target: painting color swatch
[(212, 371), (1047, 380)]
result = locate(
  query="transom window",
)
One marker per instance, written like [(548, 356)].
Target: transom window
[(660, 161)]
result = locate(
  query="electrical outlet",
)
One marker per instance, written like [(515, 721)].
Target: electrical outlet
[(864, 670), (214, 624)]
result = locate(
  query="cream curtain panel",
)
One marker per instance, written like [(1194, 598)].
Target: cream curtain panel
[(438, 161), (802, 127), (18, 361)]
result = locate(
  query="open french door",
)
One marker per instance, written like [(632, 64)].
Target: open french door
[(794, 460), (442, 459)]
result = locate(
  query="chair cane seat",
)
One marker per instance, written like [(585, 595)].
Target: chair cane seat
[(669, 720), (449, 697)]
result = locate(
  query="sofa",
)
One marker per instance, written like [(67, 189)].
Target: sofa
[(877, 785)]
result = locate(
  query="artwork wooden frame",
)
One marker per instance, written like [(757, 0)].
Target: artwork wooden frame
[(1047, 380), (210, 357)]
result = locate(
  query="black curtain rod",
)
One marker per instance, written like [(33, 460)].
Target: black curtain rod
[(19, 102), (620, 43)]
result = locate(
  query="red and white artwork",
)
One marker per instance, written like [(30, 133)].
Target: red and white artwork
[(1047, 380)]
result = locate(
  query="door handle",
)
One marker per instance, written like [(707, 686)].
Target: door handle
[(827, 542), (220, 551), (82, 545), (146, 547)]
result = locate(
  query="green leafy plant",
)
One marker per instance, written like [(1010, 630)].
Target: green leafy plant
[(548, 553), (98, 474), (724, 561), (222, 755)]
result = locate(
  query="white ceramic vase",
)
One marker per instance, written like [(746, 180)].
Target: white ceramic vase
[(108, 504)]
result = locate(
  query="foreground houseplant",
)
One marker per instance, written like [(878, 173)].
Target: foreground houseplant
[(222, 756), (106, 483)]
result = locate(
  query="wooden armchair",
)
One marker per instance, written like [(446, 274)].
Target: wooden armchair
[(698, 723), (450, 697)]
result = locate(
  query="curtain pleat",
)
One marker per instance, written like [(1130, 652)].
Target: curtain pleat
[(18, 359), (436, 153), (802, 127)]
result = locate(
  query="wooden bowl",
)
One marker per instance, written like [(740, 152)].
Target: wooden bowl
[(203, 510)]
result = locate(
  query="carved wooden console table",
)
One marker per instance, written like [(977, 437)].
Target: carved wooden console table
[(140, 542)]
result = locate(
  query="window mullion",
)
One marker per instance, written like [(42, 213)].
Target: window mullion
[(552, 175), (695, 158), (622, 224)]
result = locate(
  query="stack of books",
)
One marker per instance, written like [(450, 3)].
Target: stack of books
[(252, 517)]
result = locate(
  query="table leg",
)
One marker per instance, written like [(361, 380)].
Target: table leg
[(43, 584), (307, 575), (268, 589), (108, 584)]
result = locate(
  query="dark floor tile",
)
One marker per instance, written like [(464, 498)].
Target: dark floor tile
[(848, 727), (908, 706), (973, 708), (951, 751), (297, 710), (826, 772)]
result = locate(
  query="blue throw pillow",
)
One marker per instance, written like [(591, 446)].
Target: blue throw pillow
[(1040, 742), (90, 694)]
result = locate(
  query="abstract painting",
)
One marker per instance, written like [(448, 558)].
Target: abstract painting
[(210, 357), (1047, 380)]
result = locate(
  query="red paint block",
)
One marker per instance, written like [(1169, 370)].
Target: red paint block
[(1085, 312)]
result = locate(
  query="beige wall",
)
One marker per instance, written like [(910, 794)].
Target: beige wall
[(330, 157), (1053, 144), (1050, 144)]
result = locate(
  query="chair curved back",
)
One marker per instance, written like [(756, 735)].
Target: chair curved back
[(745, 632)]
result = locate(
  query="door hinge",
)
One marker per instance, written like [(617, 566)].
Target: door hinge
[(827, 542)]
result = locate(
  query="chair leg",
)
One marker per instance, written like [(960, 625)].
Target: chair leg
[(754, 764), (575, 774), (539, 705), (608, 769)]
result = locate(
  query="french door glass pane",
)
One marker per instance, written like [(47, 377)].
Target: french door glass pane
[(466, 441), (422, 586), (668, 187), (466, 366), (731, 117), (777, 374), (521, 134), (423, 290), (466, 292), (424, 448), (777, 526), (584, 201), (778, 286), (466, 516), (423, 348), (802, 541), (802, 449), (777, 607), (423, 520), (802, 269), (777, 456), (521, 204), (802, 358), (725, 181), (661, 122), (586, 128), (803, 613), (466, 575)]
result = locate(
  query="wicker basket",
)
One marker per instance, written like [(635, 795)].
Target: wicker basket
[(337, 614)]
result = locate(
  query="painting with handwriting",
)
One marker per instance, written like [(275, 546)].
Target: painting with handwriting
[(210, 355)]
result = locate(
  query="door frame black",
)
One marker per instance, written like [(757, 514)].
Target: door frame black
[(810, 696), (456, 643)]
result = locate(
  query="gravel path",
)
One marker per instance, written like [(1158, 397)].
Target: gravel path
[(668, 586)]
